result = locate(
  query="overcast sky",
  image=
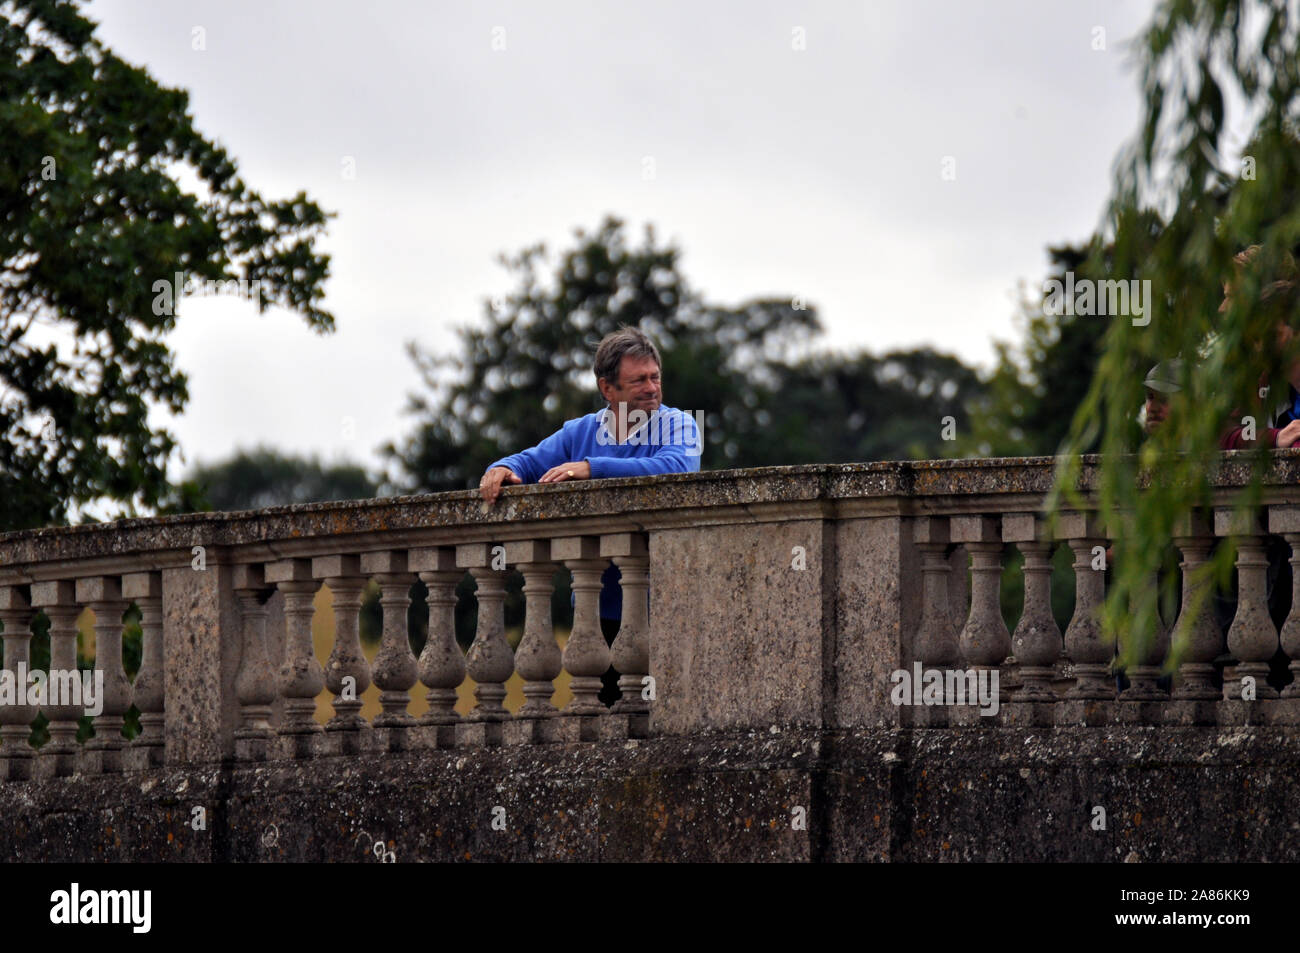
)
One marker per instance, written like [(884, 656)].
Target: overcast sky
[(476, 128)]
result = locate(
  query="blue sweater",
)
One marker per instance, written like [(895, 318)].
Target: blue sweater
[(669, 442)]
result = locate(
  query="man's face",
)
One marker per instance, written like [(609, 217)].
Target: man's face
[(1157, 408), (638, 385)]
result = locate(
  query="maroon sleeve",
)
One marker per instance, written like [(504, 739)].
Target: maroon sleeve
[(1232, 440)]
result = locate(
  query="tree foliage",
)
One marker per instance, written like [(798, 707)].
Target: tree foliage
[(1039, 382), (93, 214), (1183, 169), (261, 477), (835, 408)]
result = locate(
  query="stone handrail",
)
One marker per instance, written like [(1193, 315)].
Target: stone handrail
[(782, 595)]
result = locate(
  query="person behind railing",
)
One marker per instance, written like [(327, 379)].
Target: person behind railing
[(1280, 296), (636, 434), (1162, 381), (1282, 430)]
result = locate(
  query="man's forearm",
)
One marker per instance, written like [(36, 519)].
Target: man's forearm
[(530, 464), (671, 462)]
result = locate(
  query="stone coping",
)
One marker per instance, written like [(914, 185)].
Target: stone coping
[(810, 491)]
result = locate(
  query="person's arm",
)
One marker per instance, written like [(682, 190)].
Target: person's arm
[(667, 460), (1276, 437), (680, 456), (530, 464), (1232, 439)]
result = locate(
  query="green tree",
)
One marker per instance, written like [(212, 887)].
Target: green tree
[(1195, 56), (835, 408), (95, 225), (1038, 384), (261, 477)]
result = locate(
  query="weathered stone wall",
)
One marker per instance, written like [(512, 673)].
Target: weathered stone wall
[(874, 794), (779, 597)]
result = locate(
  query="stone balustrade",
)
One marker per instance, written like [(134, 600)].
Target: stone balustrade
[(803, 596)]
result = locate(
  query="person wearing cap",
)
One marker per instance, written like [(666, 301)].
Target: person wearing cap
[(1161, 381)]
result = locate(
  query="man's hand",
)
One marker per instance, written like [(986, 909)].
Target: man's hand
[(490, 486), (578, 470), (1289, 434)]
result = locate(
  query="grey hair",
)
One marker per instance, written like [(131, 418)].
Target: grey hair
[(622, 343)]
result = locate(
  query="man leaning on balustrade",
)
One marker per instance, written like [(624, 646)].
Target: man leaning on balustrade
[(636, 434)]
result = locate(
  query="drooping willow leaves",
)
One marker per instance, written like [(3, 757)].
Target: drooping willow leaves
[(1214, 169)]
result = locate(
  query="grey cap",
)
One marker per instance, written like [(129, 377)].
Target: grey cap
[(1164, 377)]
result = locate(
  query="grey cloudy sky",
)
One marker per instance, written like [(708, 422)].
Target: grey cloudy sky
[(779, 171)]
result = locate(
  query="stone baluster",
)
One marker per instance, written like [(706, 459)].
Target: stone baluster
[(1290, 635), (935, 644), (145, 590), (1091, 700), (255, 681), (1196, 635), (586, 656), (442, 663), (347, 673), (489, 660), (301, 676), (58, 599), (395, 668), (1285, 520), (16, 715), (103, 754), (537, 659), (1153, 647), (984, 643), (1037, 641), (630, 653), (936, 634), (1252, 638)]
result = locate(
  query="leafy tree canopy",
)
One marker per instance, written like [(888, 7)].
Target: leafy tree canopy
[(1038, 383), (833, 408), (253, 479), (93, 216)]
